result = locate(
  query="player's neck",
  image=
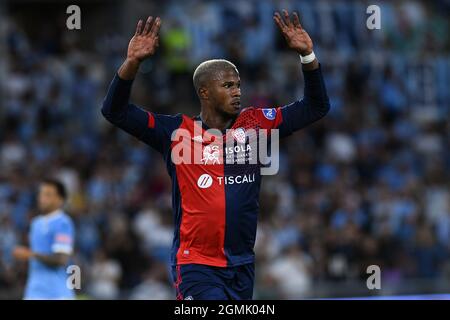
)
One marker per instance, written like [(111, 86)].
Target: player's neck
[(215, 120), (52, 212)]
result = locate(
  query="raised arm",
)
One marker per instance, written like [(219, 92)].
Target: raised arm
[(116, 106), (153, 129), (315, 103)]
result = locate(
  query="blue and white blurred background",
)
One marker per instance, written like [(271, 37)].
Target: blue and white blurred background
[(369, 184)]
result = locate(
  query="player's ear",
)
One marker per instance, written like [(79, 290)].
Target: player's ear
[(203, 93)]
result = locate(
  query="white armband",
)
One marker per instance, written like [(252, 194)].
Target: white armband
[(308, 58)]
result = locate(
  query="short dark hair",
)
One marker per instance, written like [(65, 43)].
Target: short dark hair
[(58, 185), (206, 71)]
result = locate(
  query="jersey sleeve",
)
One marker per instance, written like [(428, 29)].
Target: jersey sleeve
[(158, 133), (151, 128), (63, 237), (269, 118), (299, 114)]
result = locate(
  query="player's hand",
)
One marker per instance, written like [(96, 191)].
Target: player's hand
[(22, 253), (145, 40), (296, 37)]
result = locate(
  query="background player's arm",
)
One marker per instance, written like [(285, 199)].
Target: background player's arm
[(315, 103), (52, 260), (61, 249)]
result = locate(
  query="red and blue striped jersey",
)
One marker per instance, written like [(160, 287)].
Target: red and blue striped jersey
[(215, 200)]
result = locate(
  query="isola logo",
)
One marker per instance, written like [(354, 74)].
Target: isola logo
[(269, 113)]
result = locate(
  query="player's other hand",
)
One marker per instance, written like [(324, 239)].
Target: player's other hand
[(22, 253), (296, 37), (145, 40)]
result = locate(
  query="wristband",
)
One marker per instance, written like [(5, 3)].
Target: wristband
[(308, 58)]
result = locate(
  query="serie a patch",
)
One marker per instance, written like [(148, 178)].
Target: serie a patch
[(270, 113)]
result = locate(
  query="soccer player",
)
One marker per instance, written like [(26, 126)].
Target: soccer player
[(215, 203), (51, 239)]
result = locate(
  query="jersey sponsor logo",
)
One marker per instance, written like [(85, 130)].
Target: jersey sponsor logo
[(189, 298), (238, 149), (205, 181), (211, 154), (239, 135), (216, 151), (247, 178), (239, 154), (269, 113)]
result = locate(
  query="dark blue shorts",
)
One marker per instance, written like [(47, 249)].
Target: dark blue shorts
[(202, 282)]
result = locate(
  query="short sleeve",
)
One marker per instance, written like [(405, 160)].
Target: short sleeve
[(63, 237)]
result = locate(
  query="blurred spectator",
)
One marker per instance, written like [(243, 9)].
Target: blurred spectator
[(105, 275)]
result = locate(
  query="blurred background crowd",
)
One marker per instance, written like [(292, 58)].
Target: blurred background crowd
[(367, 185)]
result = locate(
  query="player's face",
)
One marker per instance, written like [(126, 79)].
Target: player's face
[(48, 198), (225, 93)]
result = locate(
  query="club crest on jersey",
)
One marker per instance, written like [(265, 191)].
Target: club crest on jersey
[(211, 154), (269, 113), (239, 135)]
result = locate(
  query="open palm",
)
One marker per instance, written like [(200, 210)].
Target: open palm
[(145, 40), (296, 37)]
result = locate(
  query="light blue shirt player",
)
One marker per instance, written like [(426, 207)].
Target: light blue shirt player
[(50, 234)]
